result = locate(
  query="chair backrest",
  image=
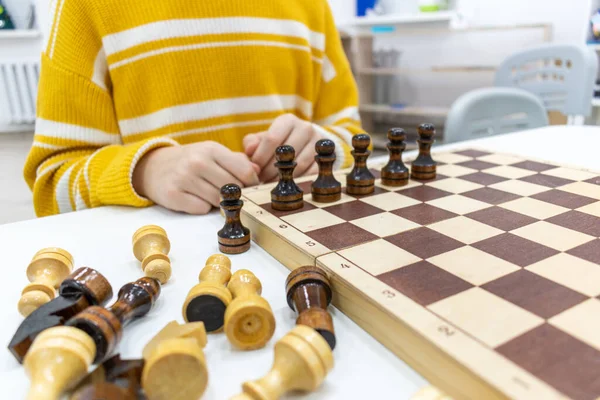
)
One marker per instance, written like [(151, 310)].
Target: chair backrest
[(563, 76), (493, 111)]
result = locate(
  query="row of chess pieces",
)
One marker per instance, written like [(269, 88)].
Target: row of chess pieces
[(67, 328)]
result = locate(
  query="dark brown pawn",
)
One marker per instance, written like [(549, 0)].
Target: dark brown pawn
[(105, 325), (286, 196), (395, 172), (309, 294), (326, 189), (124, 374), (104, 391), (360, 180), (83, 288), (234, 238), (424, 168)]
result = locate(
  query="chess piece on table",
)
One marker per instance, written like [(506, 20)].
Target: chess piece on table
[(83, 288), (249, 320), (360, 181), (430, 393), (309, 294), (302, 361), (151, 246), (395, 172), (105, 325), (48, 268), (286, 196), (424, 167), (326, 189), (104, 391), (208, 300), (234, 237), (58, 359)]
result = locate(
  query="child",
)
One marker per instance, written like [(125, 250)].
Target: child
[(147, 102)]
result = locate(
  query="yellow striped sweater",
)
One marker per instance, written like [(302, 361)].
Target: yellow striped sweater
[(120, 78)]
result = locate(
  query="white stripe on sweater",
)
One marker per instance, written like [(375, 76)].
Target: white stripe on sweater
[(214, 128), (41, 172), (62, 192), (100, 70), (349, 112), (328, 72), (56, 26), (61, 130)]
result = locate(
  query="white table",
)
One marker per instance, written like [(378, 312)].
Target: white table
[(101, 239)]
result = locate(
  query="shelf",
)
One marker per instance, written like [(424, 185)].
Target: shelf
[(401, 19), (403, 71), (20, 34), (440, 112)]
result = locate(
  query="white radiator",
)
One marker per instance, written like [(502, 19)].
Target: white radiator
[(18, 90)]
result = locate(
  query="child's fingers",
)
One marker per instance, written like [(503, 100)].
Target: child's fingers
[(304, 160), (250, 143), (191, 204), (276, 136), (238, 168), (201, 188)]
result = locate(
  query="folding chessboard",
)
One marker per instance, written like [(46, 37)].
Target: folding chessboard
[(486, 280)]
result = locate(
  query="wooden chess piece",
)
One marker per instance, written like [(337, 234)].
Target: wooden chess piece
[(249, 320), (83, 288), (106, 325), (151, 246), (208, 300), (395, 172), (326, 189), (302, 361), (175, 364), (424, 168), (430, 393), (360, 181), (309, 294), (104, 391), (48, 268), (286, 196), (58, 359), (234, 237)]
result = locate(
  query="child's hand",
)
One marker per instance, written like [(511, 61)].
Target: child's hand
[(189, 178), (286, 129)]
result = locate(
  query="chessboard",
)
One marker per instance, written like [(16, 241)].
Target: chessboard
[(486, 279)]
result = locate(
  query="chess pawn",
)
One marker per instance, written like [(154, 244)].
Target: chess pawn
[(208, 300), (326, 189), (424, 168), (286, 196), (151, 246), (48, 268), (234, 238), (58, 359), (360, 181), (395, 172), (249, 321), (302, 361), (309, 294)]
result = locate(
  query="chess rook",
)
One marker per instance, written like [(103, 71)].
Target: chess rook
[(249, 321), (207, 301), (424, 168), (151, 246), (234, 238), (106, 325), (83, 288), (360, 181), (326, 189), (395, 172), (46, 271), (286, 196), (309, 294)]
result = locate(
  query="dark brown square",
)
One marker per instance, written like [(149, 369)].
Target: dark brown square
[(483, 179), (306, 186), (353, 210), (589, 251), (534, 293), (491, 196), (594, 181), (473, 153), (424, 193), (424, 214), (546, 180), (376, 190), (534, 166), (562, 361), (564, 199), (477, 164), (515, 249), (340, 236), (424, 282), (424, 242), (307, 207), (501, 218), (578, 221)]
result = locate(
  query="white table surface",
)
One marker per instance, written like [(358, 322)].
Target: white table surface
[(101, 239)]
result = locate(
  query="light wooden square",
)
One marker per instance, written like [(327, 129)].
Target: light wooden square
[(473, 265), (385, 224), (520, 187), (534, 208), (311, 220), (572, 272), (488, 317), (390, 201), (454, 170), (410, 184), (455, 185), (583, 189), (465, 229), (553, 236), (581, 322), (509, 172), (450, 158), (592, 209), (500, 159), (258, 196), (569, 173), (459, 204), (344, 199), (368, 257)]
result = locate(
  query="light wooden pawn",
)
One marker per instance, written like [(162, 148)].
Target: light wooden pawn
[(48, 268), (57, 361), (249, 320), (151, 246), (175, 366), (430, 393), (302, 361)]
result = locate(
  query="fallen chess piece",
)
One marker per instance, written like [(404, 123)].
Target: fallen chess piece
[(151, 247), (234, 237)]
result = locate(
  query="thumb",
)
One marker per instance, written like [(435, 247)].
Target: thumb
[(251, 144)]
